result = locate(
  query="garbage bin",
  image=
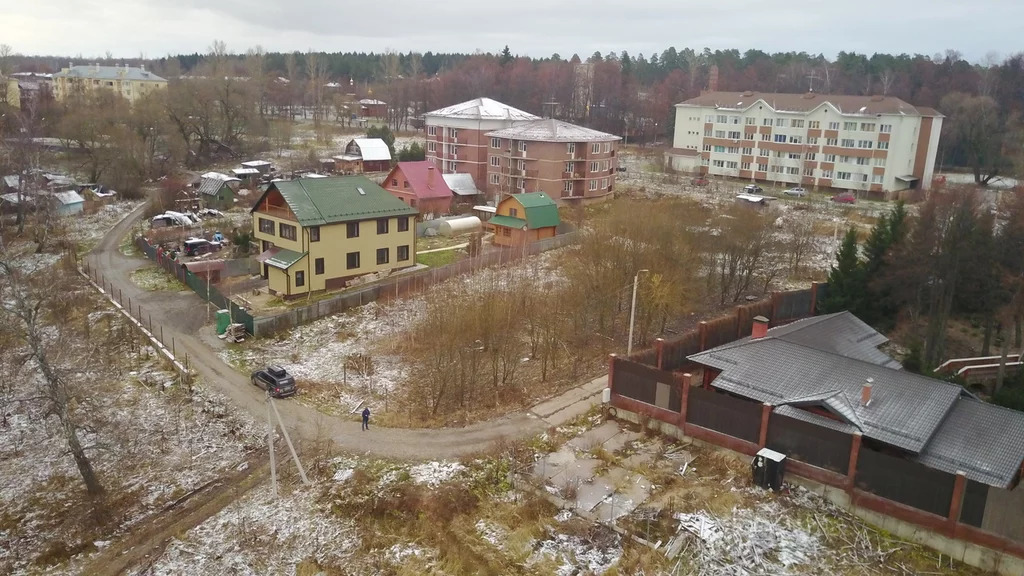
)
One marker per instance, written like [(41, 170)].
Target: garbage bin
[(768, 468), (223, 320)]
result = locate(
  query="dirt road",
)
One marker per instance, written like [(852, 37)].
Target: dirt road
[(181, 315)]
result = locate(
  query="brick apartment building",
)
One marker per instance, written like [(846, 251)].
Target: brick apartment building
[(564, 161), (456, 135), (859, 143)]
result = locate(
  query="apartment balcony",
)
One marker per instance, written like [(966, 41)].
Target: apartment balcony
[(277, 211), (572, 175)]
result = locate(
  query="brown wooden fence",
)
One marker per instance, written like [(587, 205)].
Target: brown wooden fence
[(723, 413), (808, 443)]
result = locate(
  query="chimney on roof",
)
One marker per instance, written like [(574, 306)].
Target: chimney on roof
[(430, 176), (760, 329), (865, 393)]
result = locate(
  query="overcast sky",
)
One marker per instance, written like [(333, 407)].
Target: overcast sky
[(155, 28)]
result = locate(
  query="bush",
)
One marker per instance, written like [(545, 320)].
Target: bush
[(1011, 396)]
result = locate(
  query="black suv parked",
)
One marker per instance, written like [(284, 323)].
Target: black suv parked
[(276, 381)]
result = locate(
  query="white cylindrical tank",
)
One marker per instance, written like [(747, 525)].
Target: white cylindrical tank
[(457, 226)]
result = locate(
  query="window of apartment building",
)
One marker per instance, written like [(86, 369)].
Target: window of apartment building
[(496, 161), (762, 167), (780, 122), (733, 150), (842, 175), (779, 154), (792, 170), (847, 142), (402, 253), (607, 147), (287, 231), (808, 171), (845, 159), (766, 122), (883, 145), (522, 146), (352, 230), (876, 179), (453, 133), (849, 125), (707, 133), (860, 177), (318, 266), (745, 166), (734, 119), (810, 156), (885, 128), (863, 161), (495, 142), (300, 278), (749, 136), (593, 185), (766, 137), (867, 127), (796, 139), (718, 163), (431, 146), (751, 121), (832, 142), (522, 184), (383, 255), (734, 135), (352, 260), (604, 183), (570, 167), (813, 124), (780, 137), (595, 148), (732, 164), (593, 166), (403, 223), (812, 140), (431, 130), (764, 152), (833, 125), (382, 225), (314, 233), (830, 157), (721, 119), (826, 174), (454, 150), (864, 144), (452, 166), (748, 151), (707, 147), (567, 186), (793, 155), (709, 118), (719, 133), (571, 148), (520, 165), (720, 149), (777, 169), (267, 226), (797, 124), (879, 161), (494, 178)]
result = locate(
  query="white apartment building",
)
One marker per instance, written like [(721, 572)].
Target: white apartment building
[(858, 143), (457, 140)]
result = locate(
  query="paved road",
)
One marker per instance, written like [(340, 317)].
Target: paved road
[(181, 316)]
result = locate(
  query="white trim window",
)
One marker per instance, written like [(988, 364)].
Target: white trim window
[(496, 161), (496, 143), (431, 130), (522, 146), (567, 186), (432, 146), (885, 128), (593, 185), (883, 145), (453, 133), (495, 178), (571, 148), (595, 148)]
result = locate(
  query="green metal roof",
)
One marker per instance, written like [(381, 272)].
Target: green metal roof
[(284, 259), (541, 210), (508, 222), (319, 201)]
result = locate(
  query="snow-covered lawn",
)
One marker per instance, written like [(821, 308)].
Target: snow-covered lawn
[(88, 229)]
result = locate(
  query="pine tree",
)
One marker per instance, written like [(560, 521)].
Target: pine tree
[(506, 56), (846, 282)]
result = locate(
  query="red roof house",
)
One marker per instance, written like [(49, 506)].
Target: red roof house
[(421, 186)]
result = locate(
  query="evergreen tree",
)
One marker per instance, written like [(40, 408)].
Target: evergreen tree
[(846, 282), (506, 57), (412, 153), (385, 134)]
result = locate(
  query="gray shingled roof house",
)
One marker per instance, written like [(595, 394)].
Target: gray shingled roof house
[(824, 362)]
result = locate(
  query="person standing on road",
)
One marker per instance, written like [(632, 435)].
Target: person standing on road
[(366, 418)]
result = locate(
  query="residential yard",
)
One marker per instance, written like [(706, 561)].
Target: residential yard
[(438, 259), (155, 278)]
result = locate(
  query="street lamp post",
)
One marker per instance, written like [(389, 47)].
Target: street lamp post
[(632, 312)]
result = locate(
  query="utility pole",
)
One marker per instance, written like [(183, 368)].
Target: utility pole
[(270, 445), (632, 313), (288, 440)]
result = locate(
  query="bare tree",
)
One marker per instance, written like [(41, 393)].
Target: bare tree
[(316, 69)]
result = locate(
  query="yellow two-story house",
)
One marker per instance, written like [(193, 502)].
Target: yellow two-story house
[(131, 83), (317, 233)]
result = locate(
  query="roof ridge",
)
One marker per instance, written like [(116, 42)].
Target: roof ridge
[(310, 198)]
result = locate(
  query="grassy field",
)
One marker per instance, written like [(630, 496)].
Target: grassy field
[(436, 259)]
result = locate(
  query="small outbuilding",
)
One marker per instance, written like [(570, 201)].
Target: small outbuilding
[(524, 218), (373, 153), (68, 203), (216, 193)]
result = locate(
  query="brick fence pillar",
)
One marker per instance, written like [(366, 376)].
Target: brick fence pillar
[(685, 401), (611, 370), (851, 467), (702, 330), (762, 436), (659, 347), (956, 502)]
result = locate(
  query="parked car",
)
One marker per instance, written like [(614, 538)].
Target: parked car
[(752, 189), (845, 198), (276, 381), (795, 191), (701, 181)]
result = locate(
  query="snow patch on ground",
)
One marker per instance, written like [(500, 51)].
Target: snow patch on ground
[(575, 555), (434, 474), (492, 533)]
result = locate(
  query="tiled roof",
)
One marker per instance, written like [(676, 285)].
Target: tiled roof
[(461, 184), (109, 73), (845, 104), (541, 210), (550, 130), (817, 419), (983, 441), (318, 201), (373, 149), (420, 181), (482, 109)]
